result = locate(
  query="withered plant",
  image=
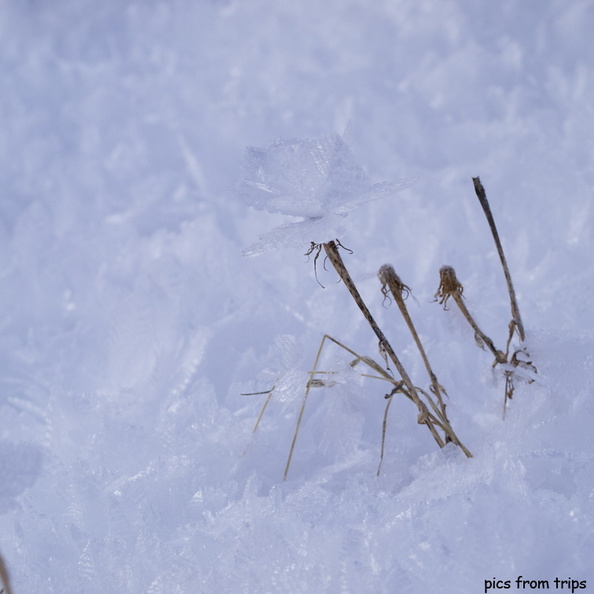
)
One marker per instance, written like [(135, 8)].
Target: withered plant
[(392, 285), (430, 412), (433, 420), (323, 214), (451, 287)]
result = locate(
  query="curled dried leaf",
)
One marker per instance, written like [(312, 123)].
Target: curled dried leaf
[(315, 248)]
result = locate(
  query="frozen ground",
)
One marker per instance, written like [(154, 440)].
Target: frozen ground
[(130, 321)]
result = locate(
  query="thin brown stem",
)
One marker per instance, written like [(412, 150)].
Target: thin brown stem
[(450, 286), (336, 260), (391, 281), (4, 577), (266, 403), (515, 310), (302, 410), (384, 429)]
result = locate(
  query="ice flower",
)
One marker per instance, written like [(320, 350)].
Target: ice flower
[(317, 180)]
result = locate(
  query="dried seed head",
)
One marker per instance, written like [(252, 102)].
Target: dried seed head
[(391, 282), (449, 285), (385, 272)]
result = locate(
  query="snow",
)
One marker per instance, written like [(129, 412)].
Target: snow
[(132, 325)]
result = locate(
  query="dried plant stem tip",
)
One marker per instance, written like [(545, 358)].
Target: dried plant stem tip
[(450, 286)]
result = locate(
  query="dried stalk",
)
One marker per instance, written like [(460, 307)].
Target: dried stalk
[(302, 410), (4, 578), (335, 258), (380, 373), (425, 417), (516, 321), (450, 286), (266, 403), (391, 283), (314, 382), (384, 430)]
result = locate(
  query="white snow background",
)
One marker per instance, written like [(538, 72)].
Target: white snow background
[(131, 322)]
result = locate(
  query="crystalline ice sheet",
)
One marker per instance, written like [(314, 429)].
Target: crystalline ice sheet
[(303, 177), (316, 179)]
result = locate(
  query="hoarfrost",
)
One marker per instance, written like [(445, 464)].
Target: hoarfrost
[(317, 179)]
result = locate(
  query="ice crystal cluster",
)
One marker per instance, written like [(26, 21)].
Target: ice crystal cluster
[(315, 179)]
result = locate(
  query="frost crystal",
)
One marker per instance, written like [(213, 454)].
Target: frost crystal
[(316, 179)]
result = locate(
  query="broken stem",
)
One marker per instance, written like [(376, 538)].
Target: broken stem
[(515, 310)]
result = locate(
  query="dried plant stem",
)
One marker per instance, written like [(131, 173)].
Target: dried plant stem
[(4, 578), (302, 410), (313, 382), (450, 286), (264, 407), (424, 417), (382, 374), (516, 322), (436, 419), (391, 282)]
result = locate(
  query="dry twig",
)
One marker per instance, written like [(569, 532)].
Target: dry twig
[(4, 578), (516, 321)]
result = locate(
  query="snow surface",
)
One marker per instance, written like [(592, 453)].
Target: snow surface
[(131, 324)]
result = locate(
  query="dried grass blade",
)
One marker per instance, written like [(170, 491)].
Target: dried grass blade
[(384, 429)]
